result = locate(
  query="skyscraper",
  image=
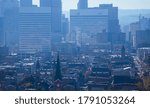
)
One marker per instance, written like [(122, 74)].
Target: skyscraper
[(83, 4), (95, 20), (141, 25), (56, 9), (35, 29), (9, 11), (142, 38), (65, 26), (26, 3), (1, 31), (0, 8), (45, 3)]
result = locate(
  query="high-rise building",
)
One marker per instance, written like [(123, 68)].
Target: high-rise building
[(1, 24), (141, 25), (83, 4), (65, 26), (95, 20), (142, 38), (56, 12), (1, 31), (35, 29), (45, 3), (9, 11), (26, 3), (56, 9), (0, 8)]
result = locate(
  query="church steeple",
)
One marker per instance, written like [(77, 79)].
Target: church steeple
[(58, 75), (123, 51), (37, 67)]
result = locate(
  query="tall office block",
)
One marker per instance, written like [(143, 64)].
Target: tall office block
[(0, 8), (65, 25), (56, 12), (142, 38), (56, 6), (45, 3), (1, 31), (95, 20), (9, 11), (35, 29), (83, 4), (26, 3), (141, 25)]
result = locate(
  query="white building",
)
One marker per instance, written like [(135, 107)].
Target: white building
[(34, 29), (138, 31), (142, 53)]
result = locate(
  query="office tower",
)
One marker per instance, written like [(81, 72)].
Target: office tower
[(45, 3), (35, 29), (9, 9), (95, 20), (83, 4), (141, 25), (26, 3), (56, 9), (65, 26), (1, 31), (0, 8), (142, 38)]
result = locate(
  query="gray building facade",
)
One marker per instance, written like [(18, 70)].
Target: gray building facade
[(83, 4), (95, 20), (35, 29), (26, 3)]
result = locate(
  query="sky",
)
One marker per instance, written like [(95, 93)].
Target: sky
[(122, 4)]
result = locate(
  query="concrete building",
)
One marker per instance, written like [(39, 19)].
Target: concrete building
[(56, 12), (65, 26), (26, 3), (35, 29), (83, 4), (45, 3), (1, 31), (133, 28), (9, 11), (95, 20), (0, 8), (143, 53), (142, 24), (142, 38)]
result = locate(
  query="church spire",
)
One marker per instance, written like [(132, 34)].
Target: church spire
[(123, 51), (58, 75)]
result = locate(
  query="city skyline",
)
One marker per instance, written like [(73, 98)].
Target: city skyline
[(92, 49), (122, 4)]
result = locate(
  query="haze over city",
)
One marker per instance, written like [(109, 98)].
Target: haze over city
[(89, 45), (122, 4)]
